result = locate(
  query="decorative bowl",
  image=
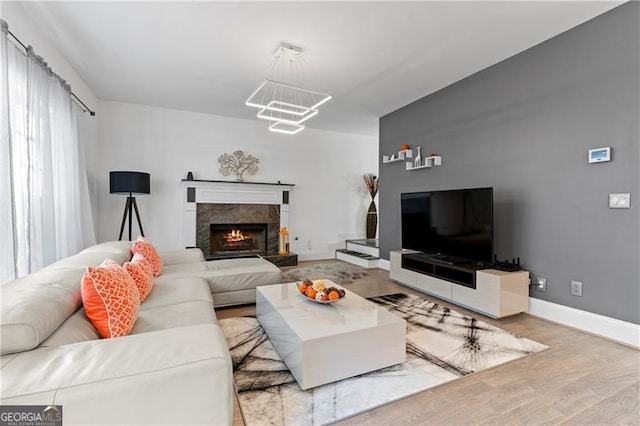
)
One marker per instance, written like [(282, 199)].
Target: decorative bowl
[(309, 291), (322, 302)]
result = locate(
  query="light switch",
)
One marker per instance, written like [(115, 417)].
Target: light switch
[(619, 201)]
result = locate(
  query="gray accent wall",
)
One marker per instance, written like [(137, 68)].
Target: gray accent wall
[(524, 127)]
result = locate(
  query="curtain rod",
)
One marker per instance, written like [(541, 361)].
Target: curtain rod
[(75, 97)]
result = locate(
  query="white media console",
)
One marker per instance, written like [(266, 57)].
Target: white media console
[(490, 292)]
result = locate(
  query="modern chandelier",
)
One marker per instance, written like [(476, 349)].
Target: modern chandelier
[(280, 99)]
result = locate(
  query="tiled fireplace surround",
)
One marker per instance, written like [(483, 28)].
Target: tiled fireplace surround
[(208, 213), (207, 202)]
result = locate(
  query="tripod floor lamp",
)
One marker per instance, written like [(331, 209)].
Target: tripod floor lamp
[(130, 183)]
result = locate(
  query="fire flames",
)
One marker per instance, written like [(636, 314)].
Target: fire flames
[(237, 240), (236, 235)]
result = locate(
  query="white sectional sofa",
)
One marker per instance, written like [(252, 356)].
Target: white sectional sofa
[(174, 367)]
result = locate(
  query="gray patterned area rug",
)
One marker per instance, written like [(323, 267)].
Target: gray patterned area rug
[(442, 345), (338, 272)]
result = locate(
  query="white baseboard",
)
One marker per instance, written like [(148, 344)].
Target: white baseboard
[(384, 264), (315, 255), (611, 328)]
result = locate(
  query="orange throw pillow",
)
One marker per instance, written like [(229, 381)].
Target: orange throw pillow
[(146, 249), (141, 272), (111, 299)]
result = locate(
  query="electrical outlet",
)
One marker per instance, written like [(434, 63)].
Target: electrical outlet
[(619, 201), (541, 284), (576, 288), (309, 245)]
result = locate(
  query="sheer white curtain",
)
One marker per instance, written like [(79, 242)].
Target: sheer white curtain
[(46, 214)]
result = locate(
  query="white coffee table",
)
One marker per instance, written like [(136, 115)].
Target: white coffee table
[(325, 343)]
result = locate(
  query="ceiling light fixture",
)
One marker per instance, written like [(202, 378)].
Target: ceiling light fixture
[(280, 98)]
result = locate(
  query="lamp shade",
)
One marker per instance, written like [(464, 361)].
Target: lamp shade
[(129, 182)]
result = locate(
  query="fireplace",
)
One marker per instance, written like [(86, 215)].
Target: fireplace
[(236, 203), (238, 238), (215, 221)]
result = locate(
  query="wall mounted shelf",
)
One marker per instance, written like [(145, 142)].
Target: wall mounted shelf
[(434, 160), (401, 156), (410, 166)]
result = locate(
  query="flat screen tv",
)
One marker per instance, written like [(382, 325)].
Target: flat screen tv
[(456, 223)]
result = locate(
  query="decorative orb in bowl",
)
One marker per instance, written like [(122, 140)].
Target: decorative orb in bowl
[(317, 291)]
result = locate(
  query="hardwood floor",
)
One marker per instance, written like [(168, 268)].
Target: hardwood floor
[(580, 379)]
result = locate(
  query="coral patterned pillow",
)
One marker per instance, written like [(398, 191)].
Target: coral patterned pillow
[(111, 299), (146, 249), (140, 271)]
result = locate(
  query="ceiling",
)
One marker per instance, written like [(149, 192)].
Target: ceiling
[(373, 57)]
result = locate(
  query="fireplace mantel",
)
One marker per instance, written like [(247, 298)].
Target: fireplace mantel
[(228, 192), (239, 182)]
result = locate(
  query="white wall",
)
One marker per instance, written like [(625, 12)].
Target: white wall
[(27, 30), (328, 203)]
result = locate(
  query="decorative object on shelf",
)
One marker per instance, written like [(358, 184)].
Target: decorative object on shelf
[(404, 147), (283, 242), (371, 182), (280, 98), (428, 162), (189, 176), (238, 163), (130, 183), (418, 161), (400, 156)]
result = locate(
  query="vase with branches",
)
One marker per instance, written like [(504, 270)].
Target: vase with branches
[(371, 183), (238, 163)]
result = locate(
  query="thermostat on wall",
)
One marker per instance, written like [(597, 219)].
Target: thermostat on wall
[(600, 155)]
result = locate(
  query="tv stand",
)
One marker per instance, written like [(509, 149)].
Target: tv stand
[(472, 285), (457, 270), (450, 260)]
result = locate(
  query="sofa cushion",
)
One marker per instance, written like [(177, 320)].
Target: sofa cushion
[(119, 251), (110, 247), (140, 270), (169, 290), (174, 316), (181, 256), (82, 260), (148, 251), (240, 274), (110, 298), (34, 306), (188, 269), (77, 328)]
